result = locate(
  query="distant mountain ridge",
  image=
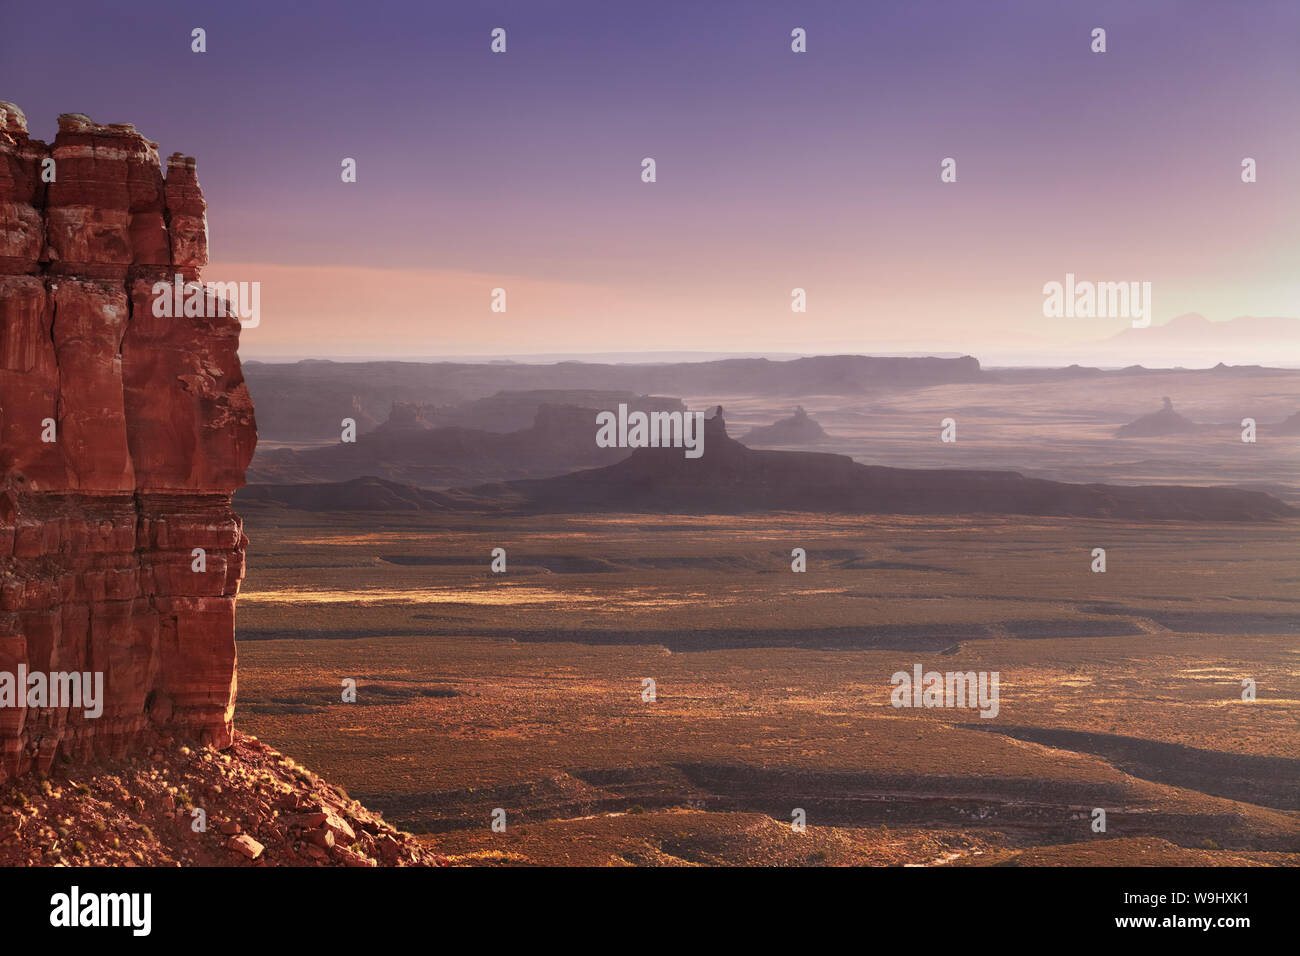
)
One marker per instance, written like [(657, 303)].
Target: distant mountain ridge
[(1193, 340), (1194, 329), (306, 400), (730, 478), (407, 448)]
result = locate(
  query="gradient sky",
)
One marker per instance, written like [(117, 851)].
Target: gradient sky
[(775, 170)]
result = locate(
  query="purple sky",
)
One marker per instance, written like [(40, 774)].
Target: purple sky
[(775, 169)]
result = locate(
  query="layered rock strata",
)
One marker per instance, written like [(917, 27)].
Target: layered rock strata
[(122, 437)]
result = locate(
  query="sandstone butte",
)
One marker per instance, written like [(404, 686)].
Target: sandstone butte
[(154, 428)]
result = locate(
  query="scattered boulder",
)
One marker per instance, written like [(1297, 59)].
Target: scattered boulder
[(246, 845)]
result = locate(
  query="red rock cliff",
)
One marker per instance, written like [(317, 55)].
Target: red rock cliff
[(152, 430)]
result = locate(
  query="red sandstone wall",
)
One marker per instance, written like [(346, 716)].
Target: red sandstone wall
[(154, 430)]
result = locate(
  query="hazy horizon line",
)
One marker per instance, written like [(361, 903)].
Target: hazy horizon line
[(687, 356)]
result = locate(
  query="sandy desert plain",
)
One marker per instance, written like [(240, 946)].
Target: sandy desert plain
[(524, 690)]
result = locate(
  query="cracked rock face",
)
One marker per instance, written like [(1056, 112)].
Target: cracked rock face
[(122, 437)]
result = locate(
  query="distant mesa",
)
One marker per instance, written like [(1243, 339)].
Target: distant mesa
[(413, 447), (733, 479), (405, 417), (1161, 423), (1169, 422), (511, 410), (730, 478), (357, 412), (304, 401), (798, 429)]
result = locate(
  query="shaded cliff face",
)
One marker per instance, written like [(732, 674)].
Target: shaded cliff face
[(122, 437)]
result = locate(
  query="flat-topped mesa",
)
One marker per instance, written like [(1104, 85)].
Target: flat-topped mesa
[(122, 438)]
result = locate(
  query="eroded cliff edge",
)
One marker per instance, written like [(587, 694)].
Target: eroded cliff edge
[(122, 437)]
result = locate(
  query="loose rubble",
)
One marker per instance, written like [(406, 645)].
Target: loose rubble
[(256, 806)]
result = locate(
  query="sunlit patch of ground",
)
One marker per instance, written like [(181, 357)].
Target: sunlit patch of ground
[(685, 837), (477, 691), (1137, 851), (1215, 674), (369, 597), (503, 595)]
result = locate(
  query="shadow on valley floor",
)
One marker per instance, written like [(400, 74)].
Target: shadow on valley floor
[(378, 694), (842, 559), (1037, 811), (1262, 780), (1204, 622), (901, 637)]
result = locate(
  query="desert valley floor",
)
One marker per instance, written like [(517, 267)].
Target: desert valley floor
[(524, 691)]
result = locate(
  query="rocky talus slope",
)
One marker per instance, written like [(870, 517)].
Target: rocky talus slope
[(178, 805)]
